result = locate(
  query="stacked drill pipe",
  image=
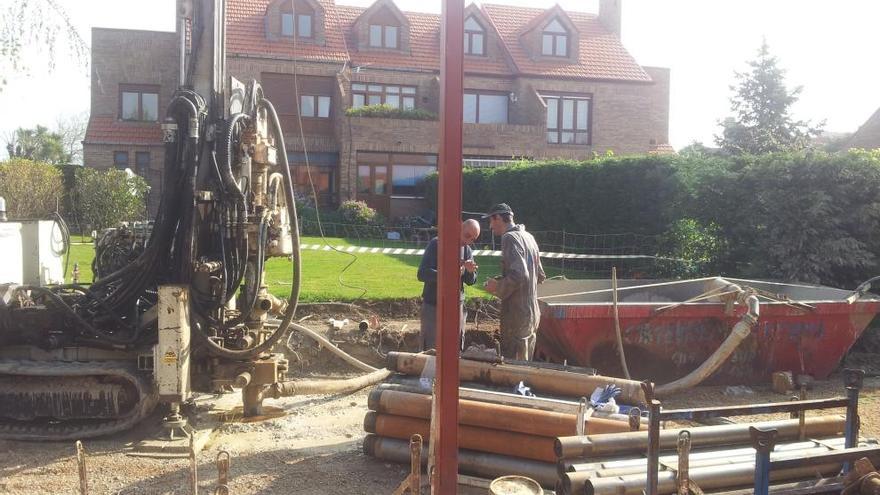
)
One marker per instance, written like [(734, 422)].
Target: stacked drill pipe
[(499, 433), (616, 463)]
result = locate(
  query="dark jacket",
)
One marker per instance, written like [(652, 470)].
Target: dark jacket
[(428, 272)]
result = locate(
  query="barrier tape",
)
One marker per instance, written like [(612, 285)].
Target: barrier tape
[(482, 252)]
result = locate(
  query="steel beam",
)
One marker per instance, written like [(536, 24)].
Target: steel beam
[(449, 216)]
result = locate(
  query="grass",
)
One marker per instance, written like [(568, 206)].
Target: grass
[(376, 276)]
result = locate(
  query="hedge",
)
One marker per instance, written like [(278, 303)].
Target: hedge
[(807, 216)]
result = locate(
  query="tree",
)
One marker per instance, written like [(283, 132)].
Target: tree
[(104, 198), (38, 144), (72, 130), (761, 103), (31, 189), (36, 24)]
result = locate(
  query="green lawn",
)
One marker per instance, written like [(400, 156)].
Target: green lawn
[(382, 277)]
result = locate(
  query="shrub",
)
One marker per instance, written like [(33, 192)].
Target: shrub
[(105, 198), (358, 213), (32, 190), (387, 111)]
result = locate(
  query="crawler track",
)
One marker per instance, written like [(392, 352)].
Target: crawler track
[(76, 429)]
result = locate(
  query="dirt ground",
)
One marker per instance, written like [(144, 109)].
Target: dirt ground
[(313, 448)]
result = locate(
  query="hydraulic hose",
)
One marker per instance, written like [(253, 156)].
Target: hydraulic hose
[(308, 387), (293, 300), (740, 331), (348, 358)]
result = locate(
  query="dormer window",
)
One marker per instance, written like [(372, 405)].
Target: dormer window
[(554, 40), (474, 37), (383, 36), (302, 27)]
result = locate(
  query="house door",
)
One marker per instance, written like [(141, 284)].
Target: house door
[(374, 188)]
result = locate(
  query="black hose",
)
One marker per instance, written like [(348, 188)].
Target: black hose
[(293, 300)]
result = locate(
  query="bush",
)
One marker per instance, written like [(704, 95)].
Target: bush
[(797, 216), (33, 190), (358, 213), (389, 112), (106, 198)]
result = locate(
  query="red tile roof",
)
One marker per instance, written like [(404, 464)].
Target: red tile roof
[(601, 54), (424, 46), (106, 129), (246, 34)]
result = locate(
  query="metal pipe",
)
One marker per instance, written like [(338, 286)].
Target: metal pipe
[(653, 439), (449, 235), (412, 385), (545, 381), (740, 331), (470, 462), (469, 437), (494, 416), (708, 478), (618, 466), (637, 441), (574, 481)]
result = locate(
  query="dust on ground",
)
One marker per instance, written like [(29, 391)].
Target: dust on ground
[(315, 448)]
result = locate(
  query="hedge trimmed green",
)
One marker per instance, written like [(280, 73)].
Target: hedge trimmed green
[(390, 112), (805, 216)]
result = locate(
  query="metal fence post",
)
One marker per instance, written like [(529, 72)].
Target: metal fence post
[(684, 452), (81, 465), (853, 379), (653, 453), (763, 441)]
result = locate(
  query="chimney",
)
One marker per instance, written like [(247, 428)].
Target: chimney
[(609, 15)]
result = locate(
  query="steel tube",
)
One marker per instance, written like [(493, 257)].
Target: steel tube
[(574, 482), (449, 235), (699, 458), (769, 408), (412, 385), (653, 444), (708, 478), (636, 442), (470, 462), (469, 437), (849, 455), (494, 416), (544, 381)]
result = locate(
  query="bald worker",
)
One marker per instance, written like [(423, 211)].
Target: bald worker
[(470, 231)]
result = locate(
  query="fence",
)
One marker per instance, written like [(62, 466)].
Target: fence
[(605, 250)]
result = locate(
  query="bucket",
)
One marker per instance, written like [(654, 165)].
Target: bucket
[(515, 485)]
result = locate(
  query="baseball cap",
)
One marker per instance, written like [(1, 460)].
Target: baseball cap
[(498, 209)]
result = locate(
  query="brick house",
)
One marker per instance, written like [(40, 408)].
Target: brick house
[(539, 83), (868, 135)]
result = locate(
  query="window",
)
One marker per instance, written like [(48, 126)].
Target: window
[(554, 40), (402, 97), (120, 160), (474, 37), (383, 36), (363, 183), (139, 103), (409, 180), (568, 119), (142, 163), (485, 108), (303, 25), (314, 106)]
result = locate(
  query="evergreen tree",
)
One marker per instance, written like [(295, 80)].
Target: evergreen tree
[(761, 103)]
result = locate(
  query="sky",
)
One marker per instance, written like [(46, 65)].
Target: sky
[(831, 48)]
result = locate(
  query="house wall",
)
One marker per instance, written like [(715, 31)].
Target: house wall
[(125, 56)]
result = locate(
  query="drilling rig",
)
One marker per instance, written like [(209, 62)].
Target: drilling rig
[(191, 312)]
